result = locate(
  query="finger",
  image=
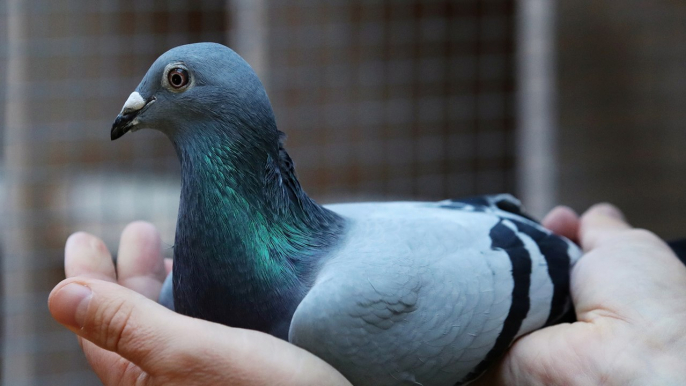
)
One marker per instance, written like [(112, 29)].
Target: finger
[(623, 260), (86, 255), (110, 367), (563, 221), (599, 224), (167, 345), (140, 265), (114, 318), (534, 359), (242, 356)]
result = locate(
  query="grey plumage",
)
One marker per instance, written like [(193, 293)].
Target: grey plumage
[(403, 293), (417, 294)]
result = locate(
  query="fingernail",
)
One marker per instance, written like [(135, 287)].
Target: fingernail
[(70, 304), (609, 210)]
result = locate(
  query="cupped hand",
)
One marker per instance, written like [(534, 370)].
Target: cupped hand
[(129, 339), (629, 292)]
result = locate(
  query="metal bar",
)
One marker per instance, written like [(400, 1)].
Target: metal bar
[(536, 105)]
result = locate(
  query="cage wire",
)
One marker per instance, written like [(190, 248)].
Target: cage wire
[(380, 99)]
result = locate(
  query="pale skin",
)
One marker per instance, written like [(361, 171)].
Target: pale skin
[(629, 291)]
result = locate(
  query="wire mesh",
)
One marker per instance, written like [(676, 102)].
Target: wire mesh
[(403, 99), (622, 90), (70, 67)]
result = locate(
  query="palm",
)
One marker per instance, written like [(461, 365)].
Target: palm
[(629, 293)]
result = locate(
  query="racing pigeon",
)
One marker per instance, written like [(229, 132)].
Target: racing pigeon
[(397, 293)]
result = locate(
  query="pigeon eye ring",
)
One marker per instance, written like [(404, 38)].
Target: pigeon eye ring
[(178, 77)]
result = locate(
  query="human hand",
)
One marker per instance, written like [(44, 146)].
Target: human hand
[(129, 339), (629, 291)]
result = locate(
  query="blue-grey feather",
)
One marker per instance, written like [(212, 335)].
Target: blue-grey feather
[(389, 293)]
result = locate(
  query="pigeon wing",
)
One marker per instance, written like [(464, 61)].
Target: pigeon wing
[(418, 294)]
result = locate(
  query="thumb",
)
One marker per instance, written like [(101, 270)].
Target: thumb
[(177, 349), (114, 318)]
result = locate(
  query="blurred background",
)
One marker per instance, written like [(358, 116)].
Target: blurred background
[(569, 101)]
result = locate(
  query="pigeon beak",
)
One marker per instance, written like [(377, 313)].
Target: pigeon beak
[(126, 119)]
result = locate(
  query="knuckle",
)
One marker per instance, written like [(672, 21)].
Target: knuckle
[(112, 324), (132, 375), (125, 373)]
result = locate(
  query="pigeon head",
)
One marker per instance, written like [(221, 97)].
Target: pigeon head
[(200, 90)]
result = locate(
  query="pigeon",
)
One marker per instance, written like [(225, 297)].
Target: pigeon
[(389, 293)]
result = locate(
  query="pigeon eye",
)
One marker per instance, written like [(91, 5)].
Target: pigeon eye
[(177, 77)]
